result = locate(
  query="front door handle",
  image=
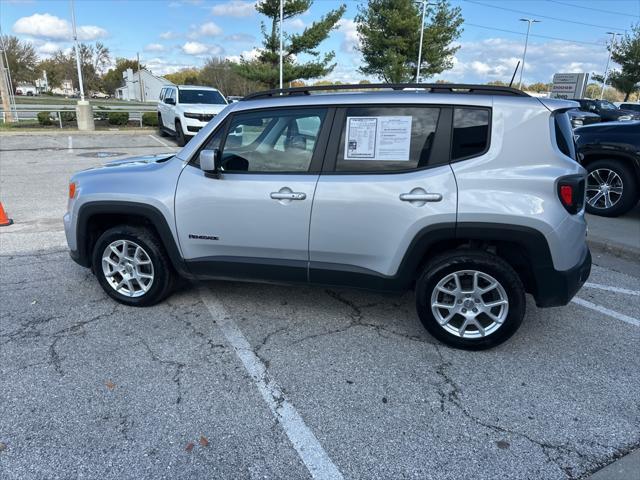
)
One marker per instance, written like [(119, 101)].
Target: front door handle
[(288, 195), (420, 197), (285, 195)]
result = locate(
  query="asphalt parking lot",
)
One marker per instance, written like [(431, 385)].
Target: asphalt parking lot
[(238, 380)]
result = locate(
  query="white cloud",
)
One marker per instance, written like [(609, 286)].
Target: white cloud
[(194, 48), (496, 59), (169, 35), (351, 39), (234, 8), (208, 29), (155, 47), (161, 66), (246, 55), (44, 25), (200, 49), (293, 24)]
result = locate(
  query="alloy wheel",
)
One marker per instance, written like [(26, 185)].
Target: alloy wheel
[(128, 268), (604, 188), (469, 304)]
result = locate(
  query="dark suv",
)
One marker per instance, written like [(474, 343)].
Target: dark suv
[(611, 154), (608, 111)]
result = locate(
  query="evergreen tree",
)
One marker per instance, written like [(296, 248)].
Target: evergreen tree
[(389, 33), (627, 55), (266, 67)]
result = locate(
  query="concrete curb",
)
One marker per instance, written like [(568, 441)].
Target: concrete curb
[(32, 131), (621, 469), (625, 252)]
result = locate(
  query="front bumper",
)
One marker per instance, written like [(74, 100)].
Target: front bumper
[(191, 126), (555, 288)]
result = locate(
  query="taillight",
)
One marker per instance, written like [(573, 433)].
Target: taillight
[(72, 190), (571, 191)]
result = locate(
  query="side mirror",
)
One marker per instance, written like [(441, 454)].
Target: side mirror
[(169, 101), (210, 162)]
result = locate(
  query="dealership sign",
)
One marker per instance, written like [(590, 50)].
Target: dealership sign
[(569, 85)]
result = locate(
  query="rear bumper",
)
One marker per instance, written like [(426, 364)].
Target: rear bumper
[(557, 287)]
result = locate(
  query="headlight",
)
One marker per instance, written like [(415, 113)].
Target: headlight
[(203, 117), (624, 117)]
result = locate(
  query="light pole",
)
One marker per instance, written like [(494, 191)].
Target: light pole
[(281, 18), (606, 69), (84, 112), (75, 41), (526, 42), (424, 11)]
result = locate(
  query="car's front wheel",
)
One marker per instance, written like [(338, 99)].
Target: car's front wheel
[(470, 299), (180, 138), (132, 266), (612, 188)]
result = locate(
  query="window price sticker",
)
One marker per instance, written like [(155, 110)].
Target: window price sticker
[(386, 138)]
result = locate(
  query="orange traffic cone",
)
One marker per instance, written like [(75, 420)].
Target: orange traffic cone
[(4, 220)]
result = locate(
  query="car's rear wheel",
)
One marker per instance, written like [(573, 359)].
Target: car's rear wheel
[(180, 138), (470, 299), (132, 266), (612, 188)]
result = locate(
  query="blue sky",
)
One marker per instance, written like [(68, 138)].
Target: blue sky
[(173, 34)]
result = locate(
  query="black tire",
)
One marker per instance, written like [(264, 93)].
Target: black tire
[(624, 202), (180, 138), (163, 273), (485, 263), (161, 131)]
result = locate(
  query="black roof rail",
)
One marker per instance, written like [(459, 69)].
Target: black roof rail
[(430, 87)]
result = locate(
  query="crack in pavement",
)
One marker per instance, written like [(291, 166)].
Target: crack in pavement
[(357, 317), (453, 397), (178, 366)]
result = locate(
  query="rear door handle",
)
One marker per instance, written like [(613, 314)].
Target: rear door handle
[(420, 197), (288, 195)]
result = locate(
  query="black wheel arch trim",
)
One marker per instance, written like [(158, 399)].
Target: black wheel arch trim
[(150, 213)]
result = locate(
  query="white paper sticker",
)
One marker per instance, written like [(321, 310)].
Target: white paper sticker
[(378, 138)]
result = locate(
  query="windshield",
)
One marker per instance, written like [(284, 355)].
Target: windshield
[(604, 105), (201, 96)]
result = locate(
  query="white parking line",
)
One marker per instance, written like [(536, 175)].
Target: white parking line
[(606, 311), (304, 441), (164, 144), (70, 144), (612, 289)]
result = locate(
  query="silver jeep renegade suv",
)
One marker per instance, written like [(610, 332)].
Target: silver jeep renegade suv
[(470, 195)]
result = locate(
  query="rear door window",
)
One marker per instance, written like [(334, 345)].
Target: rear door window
[(470, 132), (379, 139)]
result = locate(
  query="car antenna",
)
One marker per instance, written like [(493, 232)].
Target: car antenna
[(514, 74)]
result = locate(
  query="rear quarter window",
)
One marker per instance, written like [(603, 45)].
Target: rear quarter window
[(470, 136), (564, 134)]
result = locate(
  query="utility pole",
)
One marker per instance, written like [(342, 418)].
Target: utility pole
[(606, 69), (281, 19), (6, 88), (140, 78), (526, 42), (4, 91), (424, 11), (75, 41), (84, 112)]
